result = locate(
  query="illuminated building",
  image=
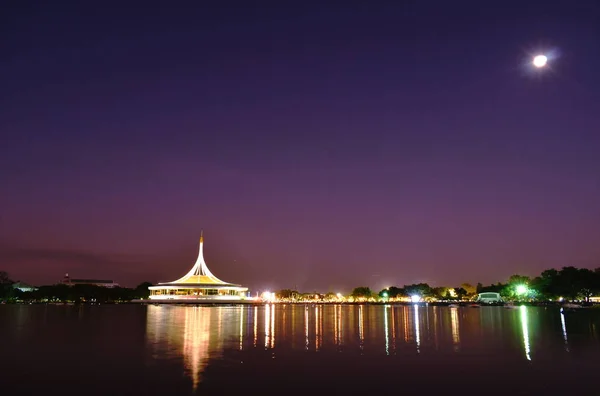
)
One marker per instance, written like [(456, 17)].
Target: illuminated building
[(198, 285), (24, 287), (489, 297)]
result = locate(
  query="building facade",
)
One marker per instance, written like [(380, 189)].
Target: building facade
[(489, 297), (67, 280)]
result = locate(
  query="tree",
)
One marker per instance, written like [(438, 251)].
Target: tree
[(419, 289), (4, 279), (546, 284), (330, 296), (286, 293), (519, 280), (394, 292), (497, 288), (479, 288), (362, 291), (6, 289), (470, 289), (574, 283), (441, 293), (460, 292), (141, 291)]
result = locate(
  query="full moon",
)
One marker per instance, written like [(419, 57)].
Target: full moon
[(540, 61)]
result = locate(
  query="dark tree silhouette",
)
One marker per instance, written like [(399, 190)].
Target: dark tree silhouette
[(362, 291)]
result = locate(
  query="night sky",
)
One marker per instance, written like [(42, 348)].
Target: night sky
[(322, 145)]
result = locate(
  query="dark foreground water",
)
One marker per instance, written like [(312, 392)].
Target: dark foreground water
[(313, 349)]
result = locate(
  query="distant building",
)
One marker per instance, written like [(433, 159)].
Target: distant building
[(24, 287), (489, 297), (94, 282)]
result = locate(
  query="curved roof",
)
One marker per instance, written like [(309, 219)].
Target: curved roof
[(199, 275)]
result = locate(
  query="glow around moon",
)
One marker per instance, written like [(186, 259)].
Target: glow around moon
[(540, 61)]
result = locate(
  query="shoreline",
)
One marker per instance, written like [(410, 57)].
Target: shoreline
[(462, 304)]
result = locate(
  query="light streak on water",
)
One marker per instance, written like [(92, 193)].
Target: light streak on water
[(255, 325), (241, 328), (564, 329), (306, 327), (361, 334), (267, 324), (393, 329), (525, 327), (455, 327), (417, 330), (387, 334), (336, 329), (340, 327), (272, 326), (317, 328)]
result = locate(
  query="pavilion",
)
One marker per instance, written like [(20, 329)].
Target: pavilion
[(198, 285)]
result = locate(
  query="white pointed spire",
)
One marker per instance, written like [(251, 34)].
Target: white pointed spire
[(199, 272)]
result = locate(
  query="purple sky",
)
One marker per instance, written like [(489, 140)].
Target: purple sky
[(317, 145)]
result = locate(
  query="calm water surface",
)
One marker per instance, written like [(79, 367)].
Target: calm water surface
[(312, 349)]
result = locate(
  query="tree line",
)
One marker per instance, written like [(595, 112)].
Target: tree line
[(70, 293), (568, 283)]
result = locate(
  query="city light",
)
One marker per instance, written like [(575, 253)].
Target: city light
[(268, 296), (415, 298), (540, 61), (521, 290)]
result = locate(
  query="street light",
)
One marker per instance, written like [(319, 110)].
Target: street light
[(521, 289), (540, 61)]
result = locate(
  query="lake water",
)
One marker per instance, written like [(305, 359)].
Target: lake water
[(312, 349)]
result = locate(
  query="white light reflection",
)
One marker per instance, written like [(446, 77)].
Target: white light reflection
[(435, 326), (361, 334), (317, 328), (393, 330), (417, 331), (306, 327), (192, 334), (196, 341), (405, 321), (387, 333), (564, 329), (340, 327), (255, 325), (272, 326), (455, 327), (336, 329), (525, 327), (241, 328), (267, 325)]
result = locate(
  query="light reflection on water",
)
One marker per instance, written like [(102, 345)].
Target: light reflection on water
[(455, 327), (198, 334), (417, 326), (525, 327), (387, 334), (184, 349), (564, 329)]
